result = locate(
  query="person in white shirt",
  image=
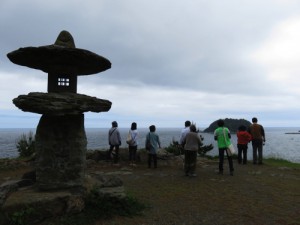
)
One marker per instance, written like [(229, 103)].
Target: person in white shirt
[(132, 146), (184, 131)]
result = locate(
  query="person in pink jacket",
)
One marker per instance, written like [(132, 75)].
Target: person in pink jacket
[(243, 138)]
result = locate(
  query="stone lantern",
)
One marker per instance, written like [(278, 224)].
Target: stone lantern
[(60, 136)]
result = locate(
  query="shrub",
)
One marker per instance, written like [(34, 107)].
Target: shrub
[(176, 149), (102, 208), (107, 207), (26, 145)]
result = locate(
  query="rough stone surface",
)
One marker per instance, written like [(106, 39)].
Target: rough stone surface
[(60, 60), (60, 103), (61, 152), (41, 205), (6, 189)]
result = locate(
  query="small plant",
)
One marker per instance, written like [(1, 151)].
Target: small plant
[(26, 145), (177, 149), (107, 207), (100, 207), (18, 218)]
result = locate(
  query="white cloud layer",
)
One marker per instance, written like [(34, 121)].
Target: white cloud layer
[(171, 60)]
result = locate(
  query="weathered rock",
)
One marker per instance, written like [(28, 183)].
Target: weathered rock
[(107, 186), (60, 58), (61, 151), (60, 103), (6, 189), (60, 137), (37, 206)]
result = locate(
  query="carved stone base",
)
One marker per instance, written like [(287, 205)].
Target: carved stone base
[(61, 152)]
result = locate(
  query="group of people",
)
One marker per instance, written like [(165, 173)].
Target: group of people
[(114, 140), (190, 142), (255, 134)]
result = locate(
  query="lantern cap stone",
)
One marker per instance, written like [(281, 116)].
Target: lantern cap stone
[(60, 58)]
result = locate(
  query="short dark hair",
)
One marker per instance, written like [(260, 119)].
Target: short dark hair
[(187, 123), (220, 123), (114, 124), (152, 128), (133, 126), (254, 120), (242, 128)]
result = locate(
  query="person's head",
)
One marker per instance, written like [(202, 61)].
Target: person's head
[(133, 126), (114, 124), (242, 128), (193, 128), (254, 120), (187, 123), (152, 128), (221, 123)]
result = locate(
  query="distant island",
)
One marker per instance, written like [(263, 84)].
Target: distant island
[(293, 132), (231, 124)]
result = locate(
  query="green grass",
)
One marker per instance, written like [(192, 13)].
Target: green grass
[(281, 162), (101, 208)]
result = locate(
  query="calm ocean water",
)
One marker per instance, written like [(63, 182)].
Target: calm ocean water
[(278, 144)]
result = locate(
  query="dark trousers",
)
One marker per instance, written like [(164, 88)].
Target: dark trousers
[(221, 159), (257, 146), (115, 154), (242, 153), (150, 158), (190, 161), (132, 153)]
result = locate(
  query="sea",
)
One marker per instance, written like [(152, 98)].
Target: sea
[(281, 142)]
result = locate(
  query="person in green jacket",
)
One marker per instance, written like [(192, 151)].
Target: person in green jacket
[(222, 136)]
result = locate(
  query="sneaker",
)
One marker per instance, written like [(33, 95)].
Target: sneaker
[(192, 175)]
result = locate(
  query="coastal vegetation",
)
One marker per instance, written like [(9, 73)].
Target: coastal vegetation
[(26, 145)]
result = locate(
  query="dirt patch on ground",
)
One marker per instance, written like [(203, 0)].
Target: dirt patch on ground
[(255, 195)]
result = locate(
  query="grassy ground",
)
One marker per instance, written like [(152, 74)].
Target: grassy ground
[(256, 194)]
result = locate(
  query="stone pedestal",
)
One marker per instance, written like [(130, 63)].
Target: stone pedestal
[(61, 149)]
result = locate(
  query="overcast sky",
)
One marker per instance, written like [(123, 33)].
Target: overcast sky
[(172, 60)]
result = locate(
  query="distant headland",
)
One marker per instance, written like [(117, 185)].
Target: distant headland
[(231, 124)]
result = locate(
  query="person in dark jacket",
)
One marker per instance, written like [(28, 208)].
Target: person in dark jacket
[(258, 139)]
